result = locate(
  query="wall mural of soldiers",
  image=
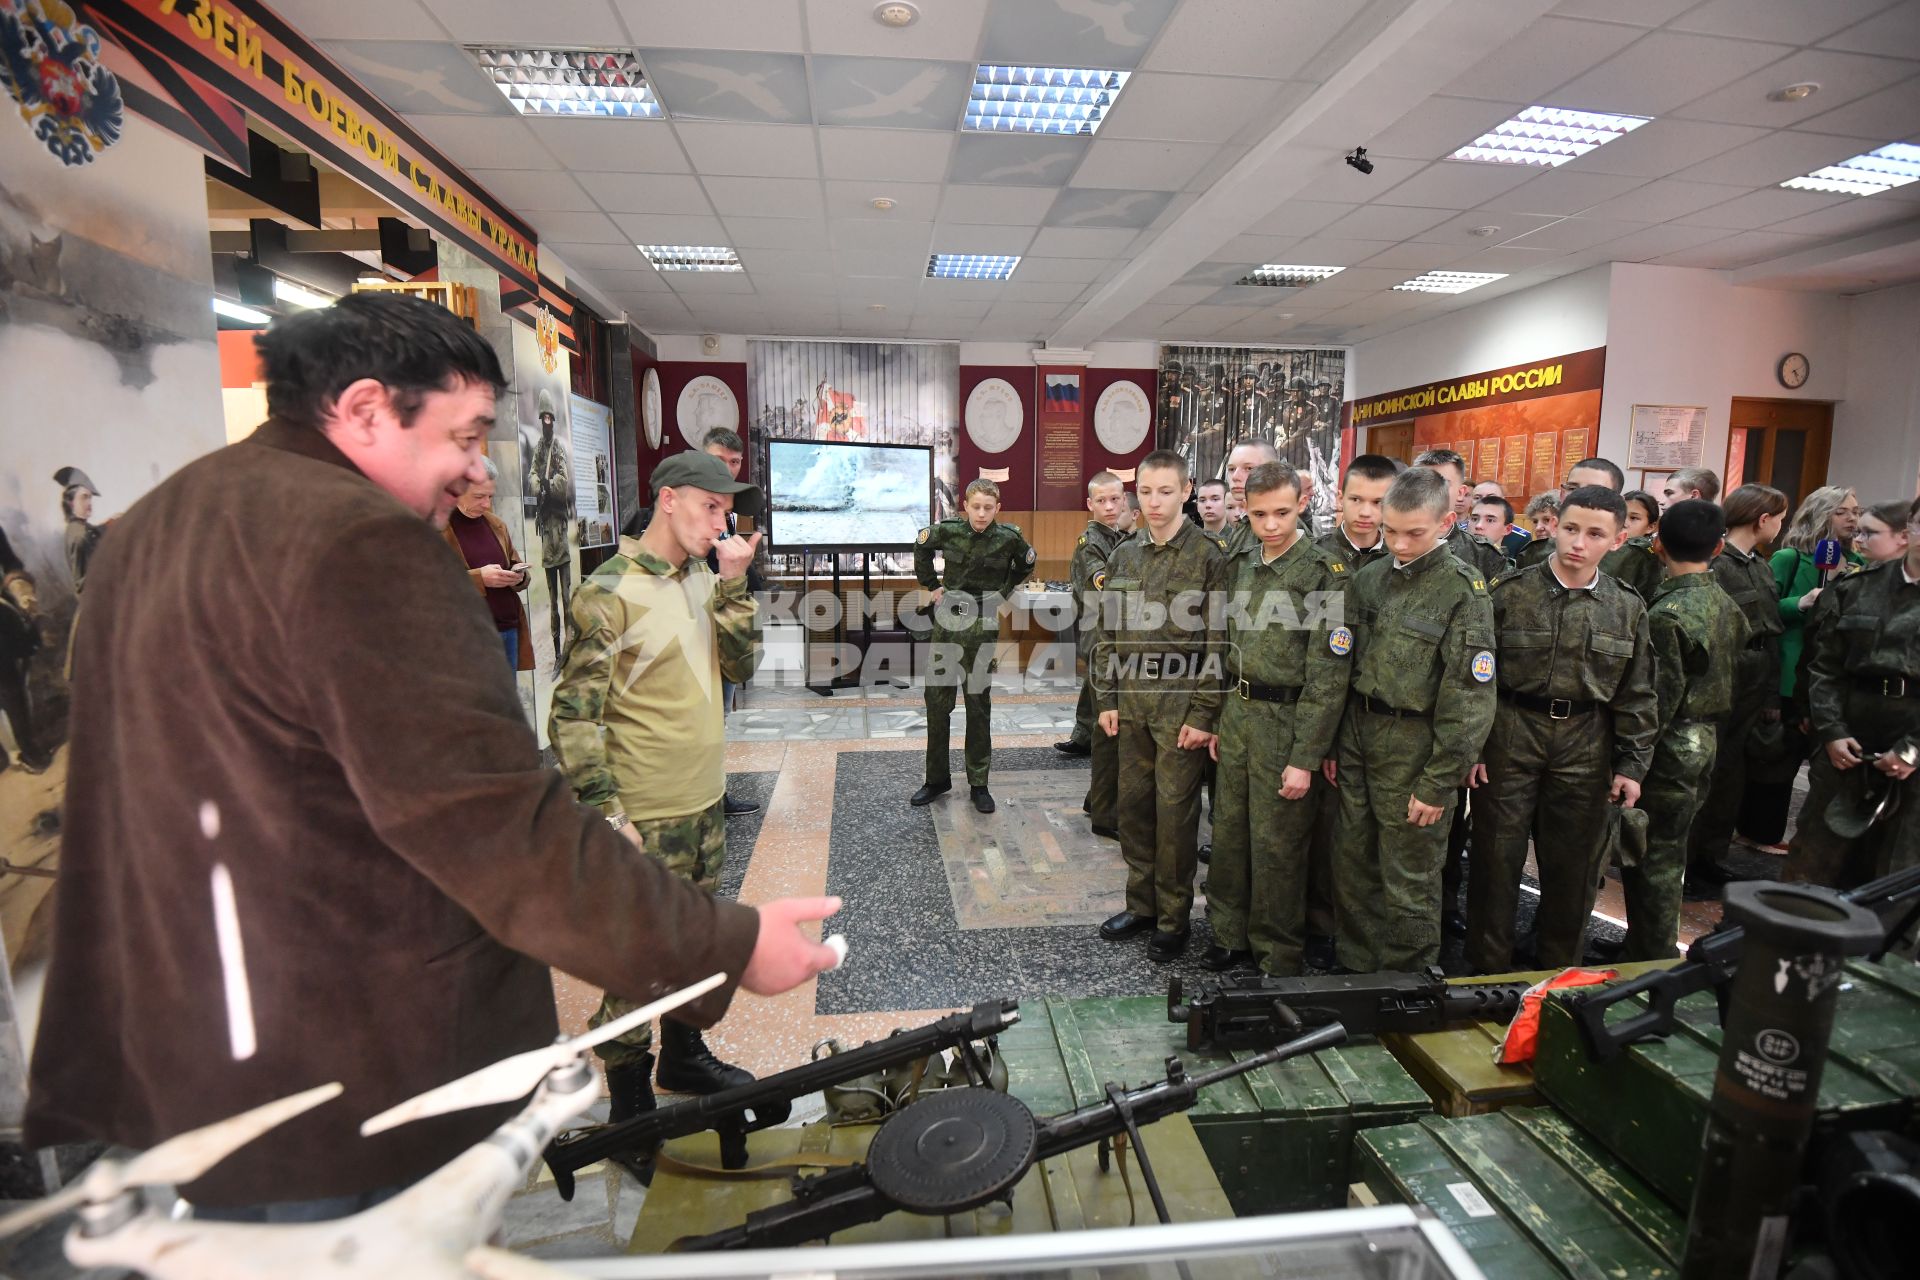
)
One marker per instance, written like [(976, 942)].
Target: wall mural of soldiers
[(77, 493), (550, 482), (1212, 398)]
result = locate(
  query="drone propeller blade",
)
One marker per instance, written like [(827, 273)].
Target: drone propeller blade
[(515, 1077), (488, 1263), (180, 1159)]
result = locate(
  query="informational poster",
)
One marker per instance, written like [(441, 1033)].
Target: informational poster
[(1489, 462), (1666, 437), (1062, 422), (1573, 444), (1513, 468), (593, 472), (1546, 446)]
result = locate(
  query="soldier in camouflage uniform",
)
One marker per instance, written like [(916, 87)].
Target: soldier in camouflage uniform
[(1106, 499), (1158, 673), (1695, 629), (1421, 706), (985, 561), (1246, 455), (1863, 692), (1288, 648), (1754, 514), (1574, 730), (551, 486), (636, 722)]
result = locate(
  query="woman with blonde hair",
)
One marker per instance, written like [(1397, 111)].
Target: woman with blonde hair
[(1828, 512)]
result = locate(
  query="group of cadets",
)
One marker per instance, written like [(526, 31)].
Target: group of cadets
[(1347, 701)]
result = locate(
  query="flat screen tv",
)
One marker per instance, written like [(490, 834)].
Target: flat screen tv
[(839, 496)]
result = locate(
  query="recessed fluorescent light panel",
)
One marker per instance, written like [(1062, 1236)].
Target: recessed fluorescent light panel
[(1449, 281), (691, 257), (298, 295), (1071, 100), (1547, 136), (1894, 165), (570, 82), (234, 311), (971, 266), (1280, 276)]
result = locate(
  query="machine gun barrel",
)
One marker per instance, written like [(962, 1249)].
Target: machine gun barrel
[(734, 1113), (1241, 1013), (1711, 962)]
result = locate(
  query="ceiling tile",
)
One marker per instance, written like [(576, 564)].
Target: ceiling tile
[(1455, 184), (912, 201), (934, 302), (612, 146), (1141, 166), (692, 284), (1777, 157), (1061, 270), (484, 142), (1186, 295), (531, 190), (667, 228), (579, 228), (611, 258), (1562, 191), (432, 77), (647, 281), (1891, 113), (1091, 207), (1842, 77), (646, 192), (1330, 251), (763, 263), (1667, 147), (1413, 254), (1896, 29), (1506, 225), (1214, 275), (872, 234), (892, 155), (766, 25), (1663, 69), (1641, 13), (1385, 222), (1762, 208), (1850, 219), (1300, 218), (1022, 205), (1021, 289), (1738, 250), (766, 197), (715, 84), (1504, 259), (958, 237), (1269, 38), (1257, 248), (1571, 234), (1033, 161), (1652, 242), (946, 31), (350, 19), (1080, 242), (1072, 33), (891, 93), (750, 150), (1787, 23), (1543, 56), (1664, 200), (776, 233), (905, 263), (1440, 126), (1148, 318), (1196, 108), (574, 26)]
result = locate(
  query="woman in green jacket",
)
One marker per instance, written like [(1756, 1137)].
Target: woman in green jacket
[(1828, 512)]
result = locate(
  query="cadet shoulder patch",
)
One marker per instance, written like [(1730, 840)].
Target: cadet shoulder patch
[(925, 534), (1081, 543), (1483, 666), (1029, 555), (1100, 580), (1337, 566), (1340, 640)]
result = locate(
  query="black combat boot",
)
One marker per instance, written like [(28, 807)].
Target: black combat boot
[(688, 1066), (630, 1094)]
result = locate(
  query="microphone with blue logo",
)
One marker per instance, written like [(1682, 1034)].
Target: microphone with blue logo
[(1826, 557)]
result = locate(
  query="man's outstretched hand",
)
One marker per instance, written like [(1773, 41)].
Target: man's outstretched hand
[(783, 956)]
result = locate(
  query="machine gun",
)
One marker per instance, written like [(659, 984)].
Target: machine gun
[(1235, 1013), (734, 1113), (962, 1148), (1711, 962)]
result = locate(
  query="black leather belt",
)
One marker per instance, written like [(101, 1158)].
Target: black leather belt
[(1269, 692), (1552, 708), (1380, 708), (1888, 686)]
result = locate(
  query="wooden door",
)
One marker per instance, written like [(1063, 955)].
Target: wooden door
[(1783, 443), (1391, 440)]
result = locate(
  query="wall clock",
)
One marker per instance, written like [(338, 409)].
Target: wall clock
[(1793, 370)]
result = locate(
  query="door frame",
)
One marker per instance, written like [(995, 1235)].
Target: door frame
[(1771, 416)]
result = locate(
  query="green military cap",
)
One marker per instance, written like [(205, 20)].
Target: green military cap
[(1627, 834), (1866, 796), (698, 469)]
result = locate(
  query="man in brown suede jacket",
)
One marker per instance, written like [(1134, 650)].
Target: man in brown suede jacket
[(280, 669)]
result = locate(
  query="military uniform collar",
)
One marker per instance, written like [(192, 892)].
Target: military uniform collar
[(1420, 563), (1340, 528), (636, 551), (1733, 549), (1559, 583), (1259, 551), (1683, 582), (1906, 575), (1187, 528), (1097, 530)]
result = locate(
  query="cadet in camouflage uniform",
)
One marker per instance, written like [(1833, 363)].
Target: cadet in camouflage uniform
[(1864, 697), (1695, 629), (551, 486), (1421, 706), (1467, 547), (636, 722), (1754, 514), (1288, 649), (1106, 499), (1636, 564), (1159, 669), (1246, 455), (985, 561), (1574, 730)]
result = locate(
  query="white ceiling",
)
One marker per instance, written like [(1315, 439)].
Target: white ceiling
[(789, 117)]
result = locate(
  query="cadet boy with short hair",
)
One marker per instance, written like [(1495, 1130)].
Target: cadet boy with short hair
[(1288, 649), (1461, 541), (1241, 461), (1420, 709), (1633, 561), (1211, 500), (985, 561), (1106, 499), (1696, 631), (1159, 672), (1574, 730)]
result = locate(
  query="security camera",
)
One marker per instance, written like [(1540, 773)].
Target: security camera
[(1358, 159)]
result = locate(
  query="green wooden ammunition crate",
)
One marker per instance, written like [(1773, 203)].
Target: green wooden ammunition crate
[(1281, 1137), (1527, 1194), (1649, 1104)]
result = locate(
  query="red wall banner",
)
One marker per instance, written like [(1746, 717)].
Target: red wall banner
[(1057, 445)]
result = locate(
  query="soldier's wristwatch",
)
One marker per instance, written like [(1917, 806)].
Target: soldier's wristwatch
[(618, 821), (1908, 755)]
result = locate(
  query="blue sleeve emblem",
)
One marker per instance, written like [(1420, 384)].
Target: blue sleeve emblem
[(1340, 640), (1483, 666)]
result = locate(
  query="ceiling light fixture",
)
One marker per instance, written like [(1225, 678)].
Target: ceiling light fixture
[(896, 13), (1448, 281), (1070, 100), (971, 266), (1795, 92), (1281, 276), (1548, 136), (298, 295), (1894, 165), (234, 311), (691, 257), (881, 203), (1483, 233), (570, 82)]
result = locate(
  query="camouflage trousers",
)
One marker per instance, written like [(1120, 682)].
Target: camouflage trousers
[(1713, 826), (693, 847), (1257, 880), (1159, 812), (1386, 870), (1677, 783), (1816, 855), (960, 662), (1086, 717)]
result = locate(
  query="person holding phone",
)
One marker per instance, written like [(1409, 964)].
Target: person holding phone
[(497, 570)]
